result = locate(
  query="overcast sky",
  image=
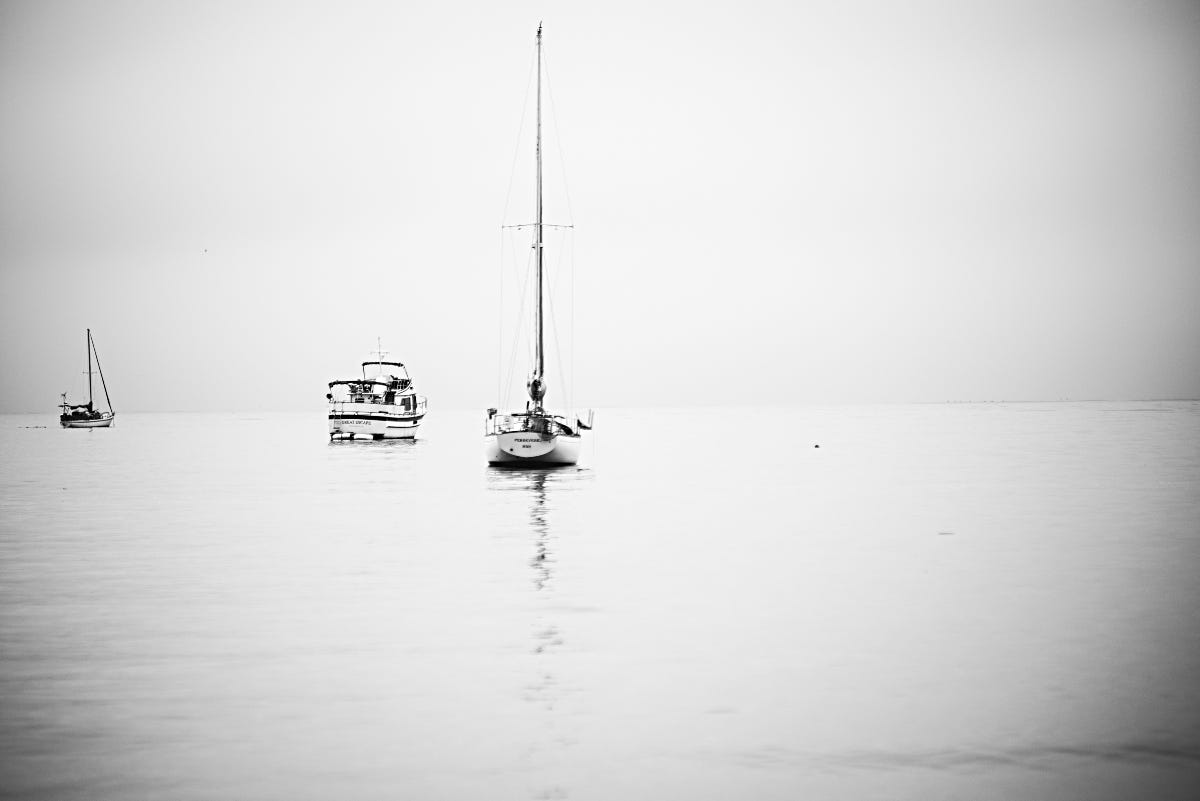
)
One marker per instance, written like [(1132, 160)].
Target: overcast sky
[(774, 202)]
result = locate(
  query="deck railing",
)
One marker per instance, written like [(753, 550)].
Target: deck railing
[(508, 423), (418, 408)]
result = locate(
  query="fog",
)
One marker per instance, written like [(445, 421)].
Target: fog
[(773, 203)]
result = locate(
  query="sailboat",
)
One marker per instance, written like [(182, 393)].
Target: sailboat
[(535, 436), (85, 415)]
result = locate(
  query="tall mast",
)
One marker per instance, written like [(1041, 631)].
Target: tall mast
[(537, 390), (89, 354)]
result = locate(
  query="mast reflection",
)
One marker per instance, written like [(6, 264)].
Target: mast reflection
[(531, 500), (541, 530), (538, 486)]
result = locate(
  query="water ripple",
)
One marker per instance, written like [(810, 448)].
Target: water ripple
[(1037, 757)]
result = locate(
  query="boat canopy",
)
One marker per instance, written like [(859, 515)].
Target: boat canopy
[(357, 381), (381, 365)]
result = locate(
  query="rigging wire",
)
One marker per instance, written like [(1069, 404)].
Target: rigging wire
[(96, 353), (500, 321), (570, 391), (504, 216), (505, 376), (562, 165), (567, 380), (520, 130), (518, 327), (571, 263), (554, 329)]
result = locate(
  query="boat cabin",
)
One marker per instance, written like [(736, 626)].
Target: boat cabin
[(391, 386)]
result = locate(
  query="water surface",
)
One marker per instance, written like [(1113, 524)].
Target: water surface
[(948, 601)]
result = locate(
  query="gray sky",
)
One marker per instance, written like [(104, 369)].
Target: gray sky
[(775, 202)]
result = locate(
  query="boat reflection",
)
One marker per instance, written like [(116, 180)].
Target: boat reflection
[(541, 531), (533, 485), (536, 490), (539, 487), (411, 442)]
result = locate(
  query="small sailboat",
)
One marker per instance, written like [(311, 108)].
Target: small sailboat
[(382, 406), (535, 436), (85, 415)]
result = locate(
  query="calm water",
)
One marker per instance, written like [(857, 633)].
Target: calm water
[(967, 601)]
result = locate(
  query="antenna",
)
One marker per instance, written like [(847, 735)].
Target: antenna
[(379, 354)]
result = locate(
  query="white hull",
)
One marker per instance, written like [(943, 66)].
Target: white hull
[(103, 422), (373, 426), (382, 407), (534, 437), (527, 448)]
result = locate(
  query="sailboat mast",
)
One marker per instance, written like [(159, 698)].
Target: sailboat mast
[(89, 357), (539, 355)]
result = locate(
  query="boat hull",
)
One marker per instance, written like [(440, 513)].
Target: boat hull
[(529, 449), (104, 421), (372, 426)]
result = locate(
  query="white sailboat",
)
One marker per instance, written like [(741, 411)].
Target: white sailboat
[(535, 436), (85, 415)]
